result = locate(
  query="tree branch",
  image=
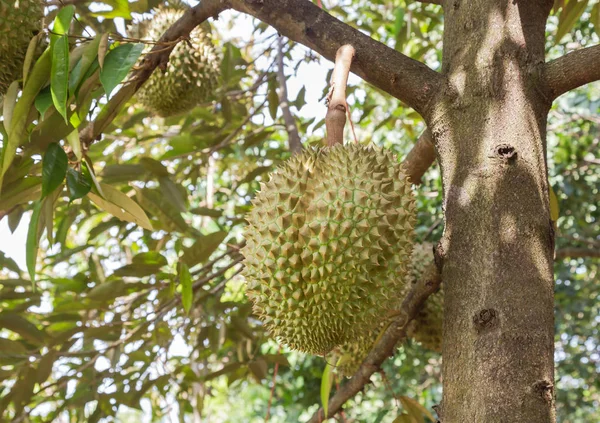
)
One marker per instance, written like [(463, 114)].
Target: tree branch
[(420, 158), (386, 346), (575, 252), (300, 20), (290, 123), (572, 70)]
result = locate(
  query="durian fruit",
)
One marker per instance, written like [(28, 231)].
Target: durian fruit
[(20, 20), (328, 245), (192, 73), (426, 327), (350, 356)]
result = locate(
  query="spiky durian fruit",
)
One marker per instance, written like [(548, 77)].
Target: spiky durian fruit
[(192, 72), (20, 20), (328, 245), (426, 327), (350, 356)]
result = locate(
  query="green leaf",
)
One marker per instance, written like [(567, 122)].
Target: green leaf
[(258, 368), (569, 17), (37, 79), (8, 263), (103, 49), (173, 192), (48, 215), (59, 76), (120, 9), (300, 101), (44, 368), (74, 142), (167, 214), (10, 100), (201, 250), (78, 183), (54, 168), (89, 166), (14, 218), (63, 20), (43, 101), (81, 70), (185, 279), (20, 325), (32, 243), (120, 206), (404, 418), (415, 409), (31, 51), (20, 192), (117, 64), (326, 382), (595, 18), (273, 98), (107, 291)]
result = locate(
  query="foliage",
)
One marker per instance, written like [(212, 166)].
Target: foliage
[(132, 303)]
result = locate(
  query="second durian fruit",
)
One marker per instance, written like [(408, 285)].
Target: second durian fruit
[(192, 73), (328, 245), (426, 327), (19, 22)]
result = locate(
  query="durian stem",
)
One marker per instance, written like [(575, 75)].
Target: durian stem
[(335, 120)]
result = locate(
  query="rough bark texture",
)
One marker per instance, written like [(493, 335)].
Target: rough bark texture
[(489, 125)]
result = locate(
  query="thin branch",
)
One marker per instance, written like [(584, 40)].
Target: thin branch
[(335, 120), (300, 20), (574, 252), (572, 70), (290, 123), (386, 346), (439, 2), (420, 158)]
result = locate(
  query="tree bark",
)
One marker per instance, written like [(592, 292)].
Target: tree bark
[(489, 125)]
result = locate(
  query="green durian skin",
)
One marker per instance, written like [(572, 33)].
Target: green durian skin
[(426, 327), (192, 74), (328, 245), (19, 21)]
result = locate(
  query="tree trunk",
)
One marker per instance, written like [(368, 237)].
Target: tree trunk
[(489, 125)]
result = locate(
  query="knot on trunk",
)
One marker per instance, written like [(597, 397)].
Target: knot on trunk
[(485, 320), (504, 152), (545, 389)]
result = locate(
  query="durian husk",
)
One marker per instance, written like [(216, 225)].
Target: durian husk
[(328, 244), (192, 74), (20, 21), (426, 327)]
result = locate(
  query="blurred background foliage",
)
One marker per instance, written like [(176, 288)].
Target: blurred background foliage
[(114, 331)]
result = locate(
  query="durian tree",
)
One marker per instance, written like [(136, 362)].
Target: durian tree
[(438, 266)]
